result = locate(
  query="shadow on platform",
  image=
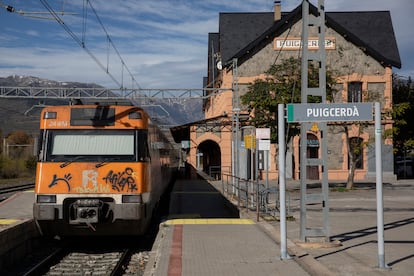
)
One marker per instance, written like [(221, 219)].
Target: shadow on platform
[(197, 198)]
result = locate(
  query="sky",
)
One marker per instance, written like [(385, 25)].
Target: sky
[(144, 43)]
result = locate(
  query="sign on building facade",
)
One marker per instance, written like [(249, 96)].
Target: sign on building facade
[(294, 43)]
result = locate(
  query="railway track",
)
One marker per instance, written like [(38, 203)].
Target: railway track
[(89, 256), (16, 188), (8, 190), (118, 255), (83, 262)]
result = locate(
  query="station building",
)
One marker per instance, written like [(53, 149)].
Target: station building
[(360, 46)]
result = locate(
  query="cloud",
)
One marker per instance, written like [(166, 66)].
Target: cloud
[(48, 63), (163, 43)]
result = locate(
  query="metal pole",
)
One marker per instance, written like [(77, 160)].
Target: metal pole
[(379, 193), (282, 182), (236, 110), (252, 131), (238, 192), (267, 168), (252, 171), (233, 157), (257, 179), (303, 130)]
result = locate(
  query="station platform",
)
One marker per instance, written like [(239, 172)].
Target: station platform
[(206, 234), (16, 208), (17, 228), (217, 247)]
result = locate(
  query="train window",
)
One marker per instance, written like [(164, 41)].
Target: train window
[(135, 115), (99, 116), (90, 144), (76, 144)]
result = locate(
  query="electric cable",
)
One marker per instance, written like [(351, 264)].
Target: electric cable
[(82, 41)]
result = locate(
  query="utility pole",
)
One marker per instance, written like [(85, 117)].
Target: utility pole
[(310, 22)]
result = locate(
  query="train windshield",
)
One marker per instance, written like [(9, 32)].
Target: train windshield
[(92, 145)]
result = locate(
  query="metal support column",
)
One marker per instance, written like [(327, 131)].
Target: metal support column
[(310, 22), (235, 125)]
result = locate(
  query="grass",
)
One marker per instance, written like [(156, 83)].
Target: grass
[(339, 189)]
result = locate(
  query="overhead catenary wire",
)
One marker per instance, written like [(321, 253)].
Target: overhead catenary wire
[(30, 14), (113, 45), (84, 20), (295, 79), (82, 41)]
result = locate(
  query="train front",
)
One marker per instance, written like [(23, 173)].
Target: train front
[(93, 171)]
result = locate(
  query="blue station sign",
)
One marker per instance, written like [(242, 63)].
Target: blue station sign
[(316, 112)]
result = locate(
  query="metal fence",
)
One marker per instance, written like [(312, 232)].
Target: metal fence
[(253, 195), (215, 172)]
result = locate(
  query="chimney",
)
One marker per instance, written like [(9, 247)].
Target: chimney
[(277, 11)]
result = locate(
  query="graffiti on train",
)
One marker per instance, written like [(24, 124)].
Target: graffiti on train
[(56, 180), (122, 181), (90, 182)]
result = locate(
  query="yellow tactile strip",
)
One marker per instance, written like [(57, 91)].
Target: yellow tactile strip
[(208, 221), (8, 221)]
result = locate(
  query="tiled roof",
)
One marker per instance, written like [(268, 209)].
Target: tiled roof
[(237, 30), (242, 34), (370, 30)]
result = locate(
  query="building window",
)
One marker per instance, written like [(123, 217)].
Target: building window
[(357, 152), (354, 92)]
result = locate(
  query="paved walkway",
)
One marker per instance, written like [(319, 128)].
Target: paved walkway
[(205, 236), (353, 224), (17, 208), (243, 246)]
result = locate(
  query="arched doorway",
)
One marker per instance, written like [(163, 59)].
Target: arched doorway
[(209, 158)]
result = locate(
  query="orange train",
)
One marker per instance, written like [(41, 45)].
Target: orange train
[(102, 170)]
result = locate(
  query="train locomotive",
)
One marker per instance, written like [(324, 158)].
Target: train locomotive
[(101, 170)]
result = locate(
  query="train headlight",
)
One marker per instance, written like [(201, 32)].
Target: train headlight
[(46, 199), (131, 199)]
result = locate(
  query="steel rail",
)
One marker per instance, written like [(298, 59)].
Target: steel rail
[(16, 188)]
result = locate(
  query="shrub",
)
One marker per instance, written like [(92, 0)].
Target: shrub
[(14, 168), (30, 163), (9, 168)]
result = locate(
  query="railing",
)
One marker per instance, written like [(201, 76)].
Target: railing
[(253, 195), (215, 172)]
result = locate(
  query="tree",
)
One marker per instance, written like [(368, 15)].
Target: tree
[(282, 85), (402, 114), (18, 160), (355, 147), (18, 140)]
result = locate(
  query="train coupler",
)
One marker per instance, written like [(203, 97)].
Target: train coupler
[(85, 211)]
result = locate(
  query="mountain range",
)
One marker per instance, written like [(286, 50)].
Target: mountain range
[(23, 113)]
